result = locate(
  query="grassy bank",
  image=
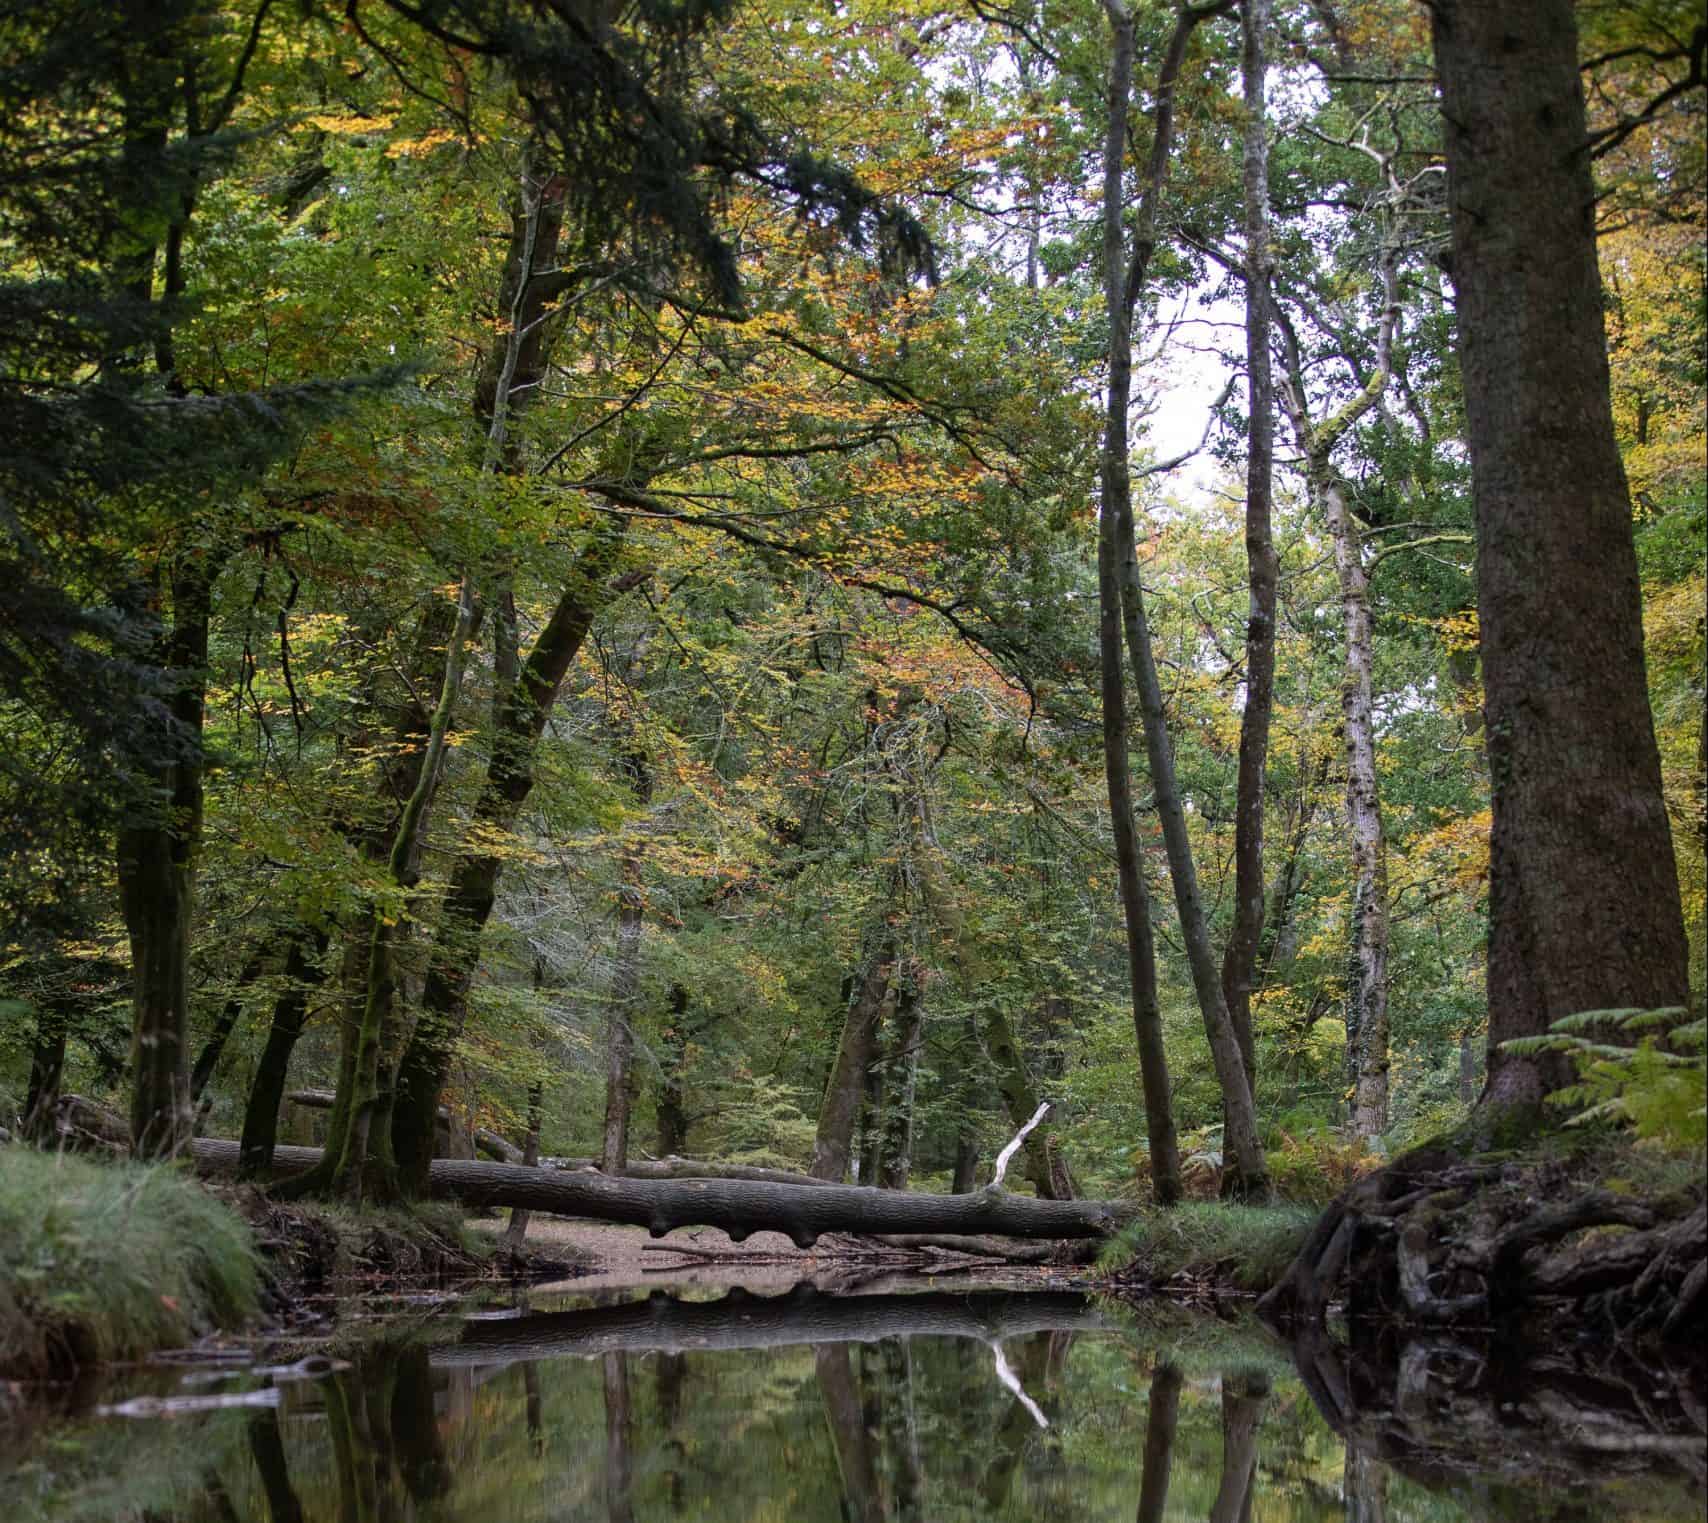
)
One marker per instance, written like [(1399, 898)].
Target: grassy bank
[(106, 1261), (1245, 1247)]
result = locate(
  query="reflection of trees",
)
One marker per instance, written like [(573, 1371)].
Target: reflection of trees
[(619, 1475), (1243, 1396), (1161, 1418), (1018, 1425), (1520, 1433), (267, 1448), (669, 1372), (863, 1502)]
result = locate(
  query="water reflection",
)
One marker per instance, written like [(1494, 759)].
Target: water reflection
[(858, 1409)]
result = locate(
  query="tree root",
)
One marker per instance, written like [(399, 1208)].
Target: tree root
[(1446, 1245)]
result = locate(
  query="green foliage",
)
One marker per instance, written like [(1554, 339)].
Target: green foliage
[(1659, 1085), (103, 1261), (1252, 1245)]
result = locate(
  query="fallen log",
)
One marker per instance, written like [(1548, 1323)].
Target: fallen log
[(740, 1207), (743, 1321)]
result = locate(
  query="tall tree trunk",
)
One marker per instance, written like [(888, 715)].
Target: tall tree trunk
[(1367, 954), (230, 1013), (1584, 909), (1241, 1148), (1366, 1008), (516, 1232), (1239, 957), (1116, 488), (620, 1023), (522, 709), (524, 693), (903, 1081), (290, 1014), (157, 851), (854, 1053)]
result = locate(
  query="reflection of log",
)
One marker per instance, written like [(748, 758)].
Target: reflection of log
[(740, 1207), (741, 1321)]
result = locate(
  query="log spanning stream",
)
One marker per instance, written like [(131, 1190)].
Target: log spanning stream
[(934, 1404)]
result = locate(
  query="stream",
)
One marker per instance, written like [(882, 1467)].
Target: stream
[(941, 1405)]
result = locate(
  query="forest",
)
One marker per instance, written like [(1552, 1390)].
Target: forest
[(761, 591)]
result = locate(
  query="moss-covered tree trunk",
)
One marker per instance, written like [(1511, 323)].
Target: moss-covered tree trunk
[(855, 1050), (1116, 501), (157, 850), (1239, 956), (302, 977)]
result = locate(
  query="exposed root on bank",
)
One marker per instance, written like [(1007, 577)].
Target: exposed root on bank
[(1437, 1242)]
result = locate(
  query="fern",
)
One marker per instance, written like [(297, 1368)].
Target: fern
[(1660, 1091)]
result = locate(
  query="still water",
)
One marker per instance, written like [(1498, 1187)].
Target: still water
[(865, 1409)]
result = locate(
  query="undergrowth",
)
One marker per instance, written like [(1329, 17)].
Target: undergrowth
[(1248, 1247), (104, 1261)]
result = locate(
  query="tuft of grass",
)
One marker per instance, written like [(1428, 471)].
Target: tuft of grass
[(102, 1261), (1248, 1247)]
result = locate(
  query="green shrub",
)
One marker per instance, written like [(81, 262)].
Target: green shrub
[(1247, 1246), (1659, 1086), (103, 1261)]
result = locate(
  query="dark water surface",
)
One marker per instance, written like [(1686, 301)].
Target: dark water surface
[(936, 1406)]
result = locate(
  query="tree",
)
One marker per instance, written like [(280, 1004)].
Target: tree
[(1584, 908)]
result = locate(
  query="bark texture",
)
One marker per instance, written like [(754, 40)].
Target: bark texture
[(845, 1088), (1584, 908), (157, 852), (1120, 290), (742, 1207), (1366, 1008), (1239, 956)]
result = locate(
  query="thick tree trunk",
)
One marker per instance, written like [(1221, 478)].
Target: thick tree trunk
[(157, 852), (1239, 956), (1116, 488), (47, 1073), (845, 1088), (1584, 908), (619, 1467), (741, 1207), (290, 1014)]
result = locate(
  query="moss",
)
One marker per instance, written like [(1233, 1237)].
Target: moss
[(1246, 1247), (103, 1261)]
